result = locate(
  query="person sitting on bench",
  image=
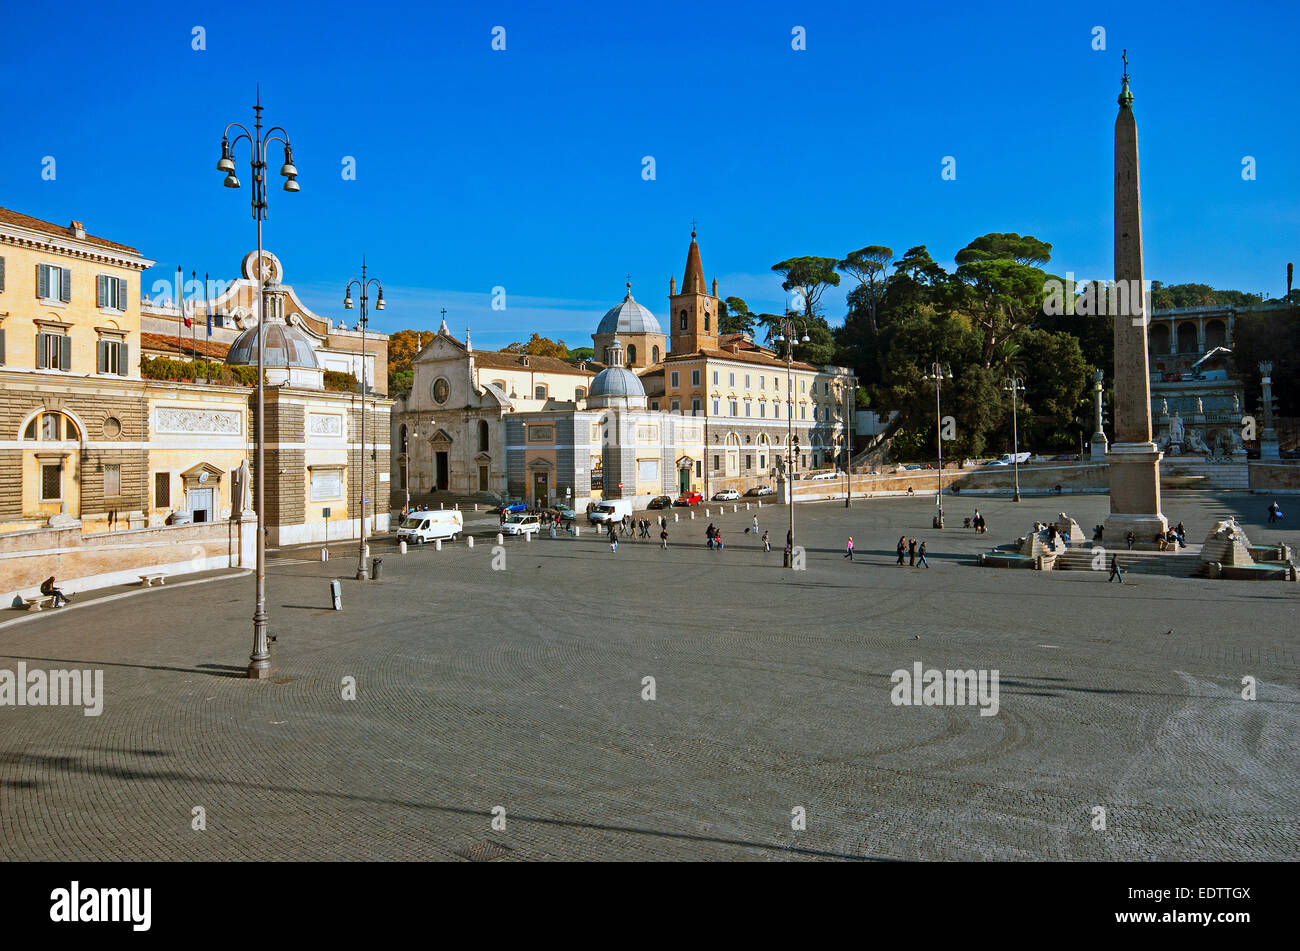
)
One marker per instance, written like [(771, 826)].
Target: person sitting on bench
[(48, 589)]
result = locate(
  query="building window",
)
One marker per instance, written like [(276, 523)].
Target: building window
[(683, 316), (53, 352), (716, 407), (716, 461), (731, 379), (695, 407), (53, 283), (112, 357), (762, 382), (695, 378), (732, 406), (776, 410), (110, 292), (715, 377), (52, 482), (699, 468), (654, 404), (631, 354), (746, 381), (441, 390), (749, 462), (112, 481), (674, 379), (762, 410), (655, 354), (52, 427), (803, 410), (482, 435), (676, 406), (580, 393), (162, 490), (539, 391)]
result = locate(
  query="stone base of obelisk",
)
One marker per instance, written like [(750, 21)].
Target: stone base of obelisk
[(1134, 497)]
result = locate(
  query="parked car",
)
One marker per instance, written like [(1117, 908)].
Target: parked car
[(521, 525), (912, 468), (660, 502), (562, 513), (510, 508), (688, 498), (420, 527), (826, 476), (1065, 457), (726, 495), (760, 490)]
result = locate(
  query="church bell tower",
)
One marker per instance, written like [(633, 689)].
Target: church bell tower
[(693, 314)]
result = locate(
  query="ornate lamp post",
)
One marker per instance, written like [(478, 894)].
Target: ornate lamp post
[(787, 332), (362, 282), (1014, 385), (938, 373), (259, 665)]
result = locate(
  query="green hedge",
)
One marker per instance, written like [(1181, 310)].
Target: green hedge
[(342, 381), (163, 368)]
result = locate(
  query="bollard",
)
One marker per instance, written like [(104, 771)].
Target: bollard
[(441, 506), (760, 503), (735, 508), (528, 536), (475, 506), (336, 592), (469, 541), (376, 568), (500, 539), (401, 547), (577, 530), (692, 516), (324, 554), (746, 506), (674, 516), (456, 506), (437, 544), (706, 514)]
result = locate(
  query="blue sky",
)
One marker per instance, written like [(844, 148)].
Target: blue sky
[(522, 169)]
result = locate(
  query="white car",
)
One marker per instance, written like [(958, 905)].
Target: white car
[(824, 476), (521, 525), (726, 495)]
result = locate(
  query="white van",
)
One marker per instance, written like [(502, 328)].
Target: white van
[(421, 527), (610, 510), (1010, 459)]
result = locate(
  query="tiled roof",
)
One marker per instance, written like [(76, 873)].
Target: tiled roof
[(744, 356), (504, 360), (185, 346), (48, 227)]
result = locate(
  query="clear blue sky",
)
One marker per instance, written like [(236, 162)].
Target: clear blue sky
[(522, 168)]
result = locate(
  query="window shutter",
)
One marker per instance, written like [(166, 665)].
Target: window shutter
[(2, 346), (121, 293), (40, 351), (101, 356), (65, 353), (42, 281), (122, 365), (101, 290), (65, 286), (2, 274)]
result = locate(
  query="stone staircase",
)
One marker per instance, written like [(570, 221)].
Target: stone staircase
[(1179, 473), (434, 500), (1185, 563)]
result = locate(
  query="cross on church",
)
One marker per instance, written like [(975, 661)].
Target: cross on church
[(1125, 58)]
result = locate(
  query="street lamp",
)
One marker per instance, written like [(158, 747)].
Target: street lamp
[(362, 282), (938, 373), (259, 662), (787, 329), (1015, 385)]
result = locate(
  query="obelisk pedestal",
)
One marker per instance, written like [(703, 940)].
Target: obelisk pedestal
[(1134, 458), (1098, 447), (1268, 444)]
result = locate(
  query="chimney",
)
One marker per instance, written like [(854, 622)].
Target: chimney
[(77, 229)]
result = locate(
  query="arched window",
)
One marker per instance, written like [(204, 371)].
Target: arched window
[(655, 353), (482, 435), (631, 354), (52, 427), (1187, 337), (683, 320), (1158, 341), (539, 391), (1215, 335), (706, 321), (580, 393)]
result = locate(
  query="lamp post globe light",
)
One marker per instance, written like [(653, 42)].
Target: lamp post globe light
[(1014, 385), (788, 328), (259, 662), (364, 284), (938, 373)]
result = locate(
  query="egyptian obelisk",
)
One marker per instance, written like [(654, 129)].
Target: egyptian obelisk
[(1134, 459)]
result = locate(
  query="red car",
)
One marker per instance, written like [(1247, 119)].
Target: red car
[(689, 498)]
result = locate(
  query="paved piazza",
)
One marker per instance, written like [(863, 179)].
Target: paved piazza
[(522, 688)]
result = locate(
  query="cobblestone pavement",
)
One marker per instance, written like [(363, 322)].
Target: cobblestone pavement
[(522, 688)]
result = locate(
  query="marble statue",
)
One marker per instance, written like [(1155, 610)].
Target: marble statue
[(1195, 442), (1176, 430)]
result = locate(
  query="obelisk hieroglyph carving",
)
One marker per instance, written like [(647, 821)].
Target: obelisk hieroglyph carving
[(1134, 459)]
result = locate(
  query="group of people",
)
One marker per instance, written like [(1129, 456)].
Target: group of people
[(634, 529), (1173, 539), (910, 548), (977, 522)]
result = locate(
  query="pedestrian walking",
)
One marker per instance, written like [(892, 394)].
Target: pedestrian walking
[(902, 548), (755, 524), (848, 549), (552, 530), (1116, 572), (920, 553), (911, 552), (767, 544), (717, 540), (1130, 538), (663, 538)]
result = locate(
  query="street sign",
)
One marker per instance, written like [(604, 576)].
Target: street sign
[(325, 513)]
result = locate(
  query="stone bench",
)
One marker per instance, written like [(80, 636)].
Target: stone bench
[(152, 578), (38, 602)]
